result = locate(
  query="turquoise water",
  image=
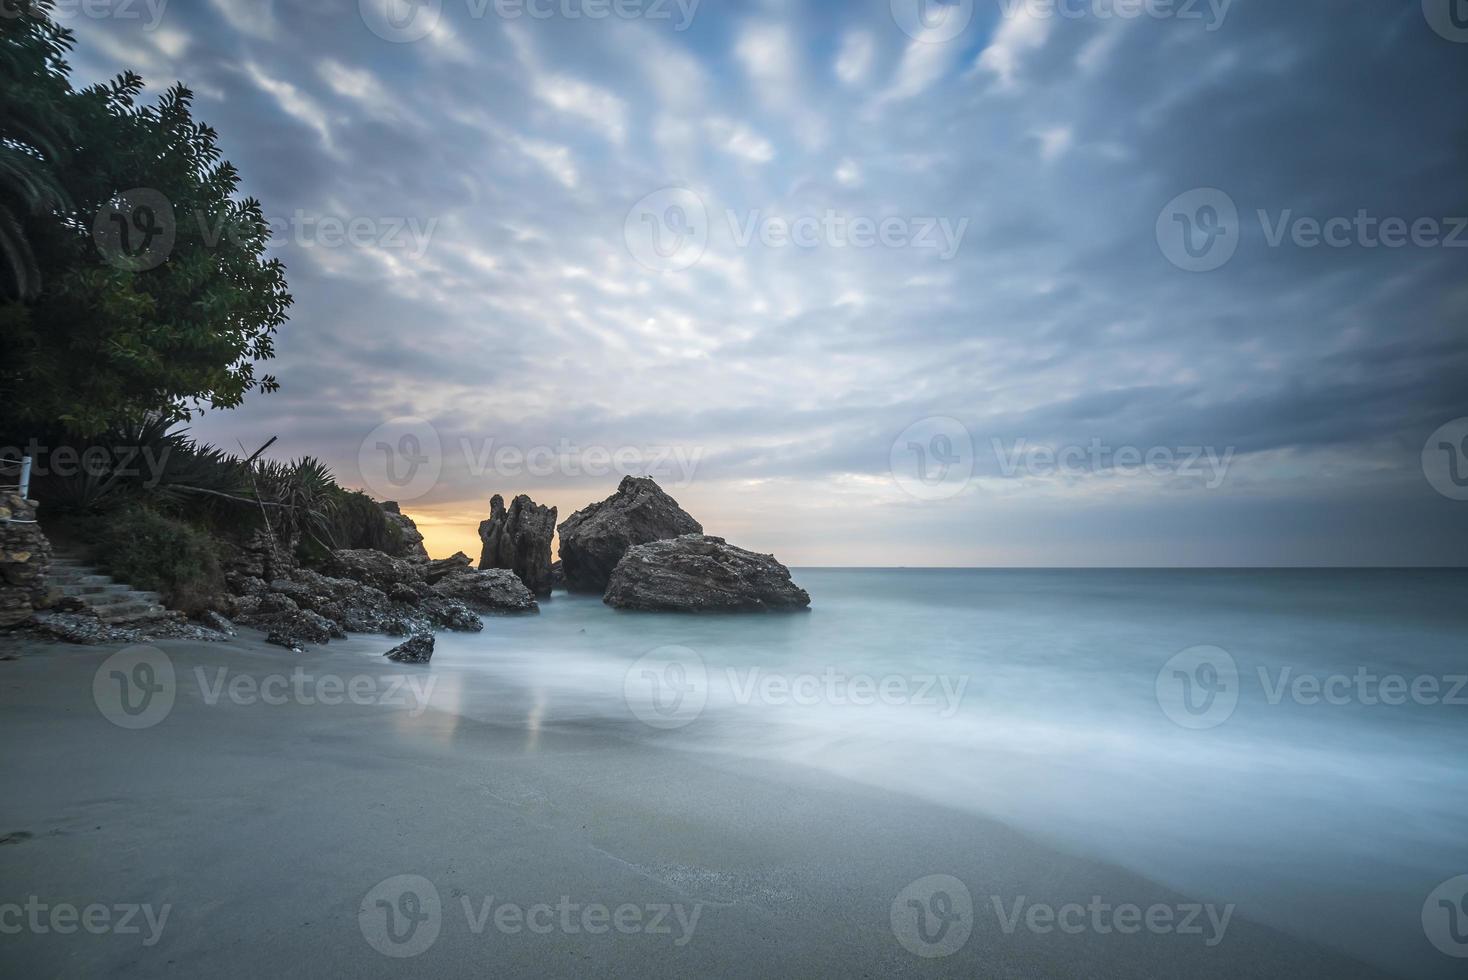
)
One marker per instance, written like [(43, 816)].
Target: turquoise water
[(1034, 697)]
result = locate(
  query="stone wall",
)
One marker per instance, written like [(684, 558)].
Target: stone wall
[(25, 557)]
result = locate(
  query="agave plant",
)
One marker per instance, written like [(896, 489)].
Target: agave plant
[(149, 461), (148, 458), (303, 497)]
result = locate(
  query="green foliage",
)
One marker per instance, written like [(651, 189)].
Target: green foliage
[(302, 496), (152, 464), (153, 551), (37, 135), (153, 467), (144, 461), (88, 338), (358, 521)]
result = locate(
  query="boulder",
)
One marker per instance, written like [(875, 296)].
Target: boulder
[(701, 573), (412, 539), (216, 622), (253, 609), (441, 567), (417, 650), (519, 538), (241, 584), (355, 607), (488, 590), (379, 570), (449, 614), (594, 539), (299, 628)]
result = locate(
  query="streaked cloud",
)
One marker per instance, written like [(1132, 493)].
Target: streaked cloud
[(792, 367)]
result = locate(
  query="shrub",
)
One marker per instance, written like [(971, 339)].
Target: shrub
[(358, 521), (149, 550)]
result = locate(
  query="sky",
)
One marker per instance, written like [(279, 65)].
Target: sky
[(991, 282)]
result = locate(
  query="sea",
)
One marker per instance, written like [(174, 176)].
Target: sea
[(1291, 741)]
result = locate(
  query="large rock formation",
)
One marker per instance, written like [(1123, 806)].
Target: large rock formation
[(412, 538), (519, 539), (25, 555), (595, 538), (699, 573)]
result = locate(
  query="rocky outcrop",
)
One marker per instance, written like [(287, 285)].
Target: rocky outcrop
[(519, 538), (25, 555), (412, 539), (417, 650), (700, 573), (71, 627), (346, 604), (494, 590), (397, 577), (593, 540)]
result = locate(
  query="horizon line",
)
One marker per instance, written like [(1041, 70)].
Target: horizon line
[(1131, 568)]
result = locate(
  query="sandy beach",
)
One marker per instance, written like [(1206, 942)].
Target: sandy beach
[(257, 834)]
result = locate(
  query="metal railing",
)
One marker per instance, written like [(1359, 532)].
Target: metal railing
[(22, 468)]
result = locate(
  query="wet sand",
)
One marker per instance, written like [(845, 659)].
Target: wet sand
[(266, 831)]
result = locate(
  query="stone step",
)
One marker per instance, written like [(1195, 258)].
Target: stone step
[(114, 603), (68, 588), (84, 580)]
